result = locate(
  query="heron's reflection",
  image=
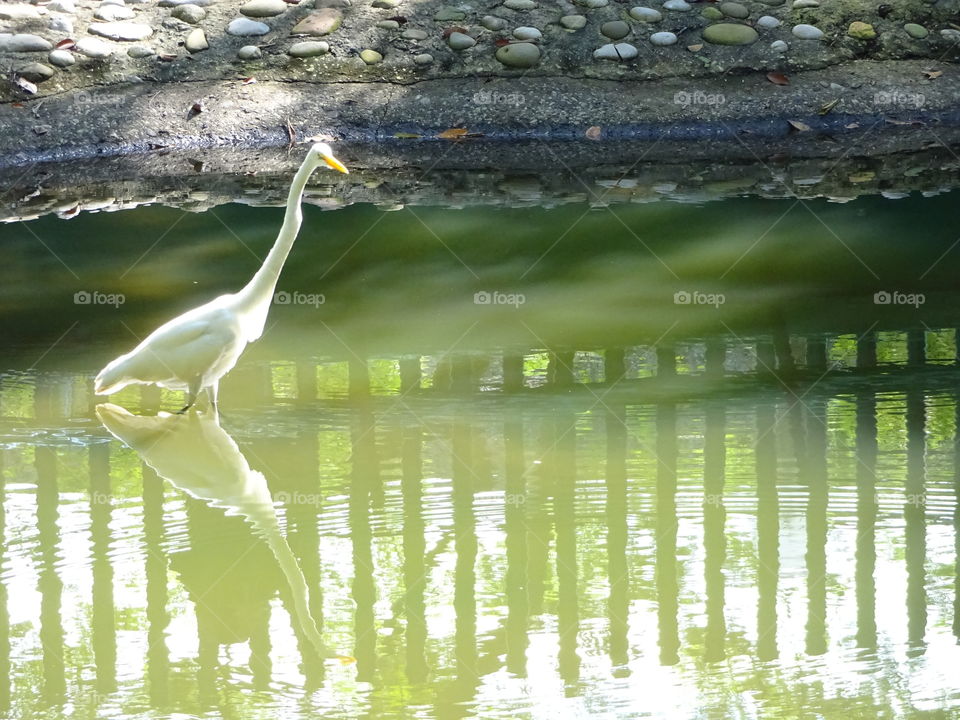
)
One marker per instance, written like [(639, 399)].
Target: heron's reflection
[(198, 457)]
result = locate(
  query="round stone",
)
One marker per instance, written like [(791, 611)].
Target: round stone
[(423, 59), (527, 33), (801, 4), (779, 46), (573, 22), (189, 13), (196, 41), (729, 34), (61, 58), (414, 34), (249, 52), (711, 13), (915, 31), (447, 14), (520, 4), (23, 43), (140, 51), (460, 41), (861, 31), (592, 4), (950, 34), (36, 72), (615, 29), (388, 25), (309, 48), (111, 13), (64, 6), (620, 51), (663, 38), (493, 23), (734, 10), (245, 27), (321, 22), (645, 14), (519, 55), (385, 4), (121, 30), (263, 8), (61, 24), (93, 48), (807, 32), (677, 5), (372, 57), (767, 22)]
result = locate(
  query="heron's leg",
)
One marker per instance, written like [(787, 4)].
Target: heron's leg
[(192, 392), (212, 391)]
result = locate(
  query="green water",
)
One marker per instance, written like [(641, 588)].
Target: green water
[(594, 502)]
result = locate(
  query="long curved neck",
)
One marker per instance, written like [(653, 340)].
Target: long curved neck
[(259, 291)]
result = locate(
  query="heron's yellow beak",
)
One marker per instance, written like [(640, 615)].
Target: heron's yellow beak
[(335, 164)]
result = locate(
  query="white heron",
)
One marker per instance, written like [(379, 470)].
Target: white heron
[(194, 350)]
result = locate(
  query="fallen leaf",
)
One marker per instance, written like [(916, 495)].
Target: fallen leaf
[(891, 121), (405, 136), (852, 126), (593, 132), (195, 110), (450, 30), (824, 109), (248, 81), (778, 78), (797, 125), (695, 48), (933, 74), (500, 42), (452, 134), (41, 129), (198, 166), (72, 212), (66, 44), (25, 85), (16, 105)]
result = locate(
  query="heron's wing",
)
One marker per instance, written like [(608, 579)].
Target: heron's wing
[(186, 346)]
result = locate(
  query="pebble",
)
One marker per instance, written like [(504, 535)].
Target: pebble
[(249, 52), (36, 72), (385, 4), (573, 22), (112, 13), (677, 5), (173, 24), (61, 58), (592, 3), (112, 2), (620, 51), (18, 12), (729, 34), (734, 10), (263, 8), (372, 57), (319, 22), (140, 51), (460, 41), (615, 29), (861, 31), (663, 38), (800, 4), (309, 48), (174, 3), (196, 41), (121, 30), (189, 13), (711, 13), (918, 32), (493, 23), (447, 14), (645, 14), (245, 27), (423, 59), (93, 48), (64, 6), (388, 25), (807, 32), (519, 55), (520, 4), (768, 22), (779, 46), (23, 43), (414, 34), (950, 34), (61, 24)]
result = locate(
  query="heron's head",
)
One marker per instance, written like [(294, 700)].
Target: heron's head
[(323, 155)]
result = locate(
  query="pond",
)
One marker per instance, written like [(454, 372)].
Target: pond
[(679, 458)]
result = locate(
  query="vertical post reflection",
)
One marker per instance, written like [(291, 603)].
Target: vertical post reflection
[(414, 549), (768, 532), (363, 482), (512, 372), (103, 621), (158, 659), (560, 368), (568, 615), (465, 546), (714, 537), (614, 365), (618, 605), (956, 512), (4, 610), (816, 555), (516, 546), (50, 586), (914, 512), (866, 554), (667, 526)]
